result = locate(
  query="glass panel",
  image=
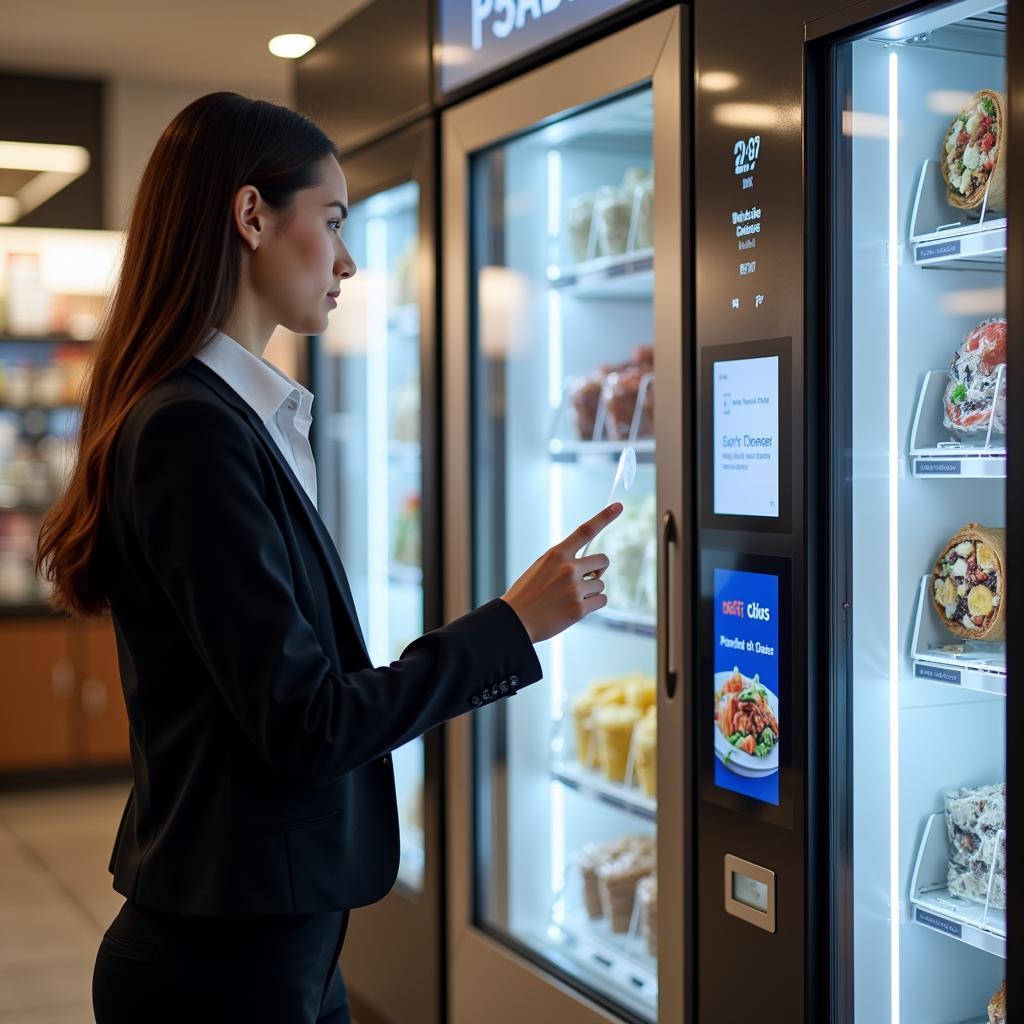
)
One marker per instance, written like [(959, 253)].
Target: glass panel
[(926, 253), (371, 471), (564, 376)]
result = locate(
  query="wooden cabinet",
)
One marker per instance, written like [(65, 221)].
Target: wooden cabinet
[(104, 722), (61, 703), (37, 693)]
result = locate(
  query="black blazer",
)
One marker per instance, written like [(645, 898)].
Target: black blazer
[(260, 732)]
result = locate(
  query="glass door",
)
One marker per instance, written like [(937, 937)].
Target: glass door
[(564, 353), (564, 384), (921, 295), (371, 464)]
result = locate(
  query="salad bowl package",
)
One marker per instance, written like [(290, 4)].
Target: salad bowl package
[(973, 153), (969, 583), (975, 394)]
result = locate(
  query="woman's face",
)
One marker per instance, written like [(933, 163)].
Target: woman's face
[(301, 259)]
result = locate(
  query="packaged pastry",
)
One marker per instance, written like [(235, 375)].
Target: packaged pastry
[(646, 752), (972, 158), (970, 401), (592, 856), (613, 208), (640, 691), (585, 395), (579, 217), (997, 1005), (647, 897), (969, 583), (614, 726), (976, 829), (598, 693), (617, 880)]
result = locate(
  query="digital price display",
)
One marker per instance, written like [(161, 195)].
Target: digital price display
[(747, 723), (746, 437)]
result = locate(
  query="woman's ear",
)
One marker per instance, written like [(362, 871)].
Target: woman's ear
[(249, 217)]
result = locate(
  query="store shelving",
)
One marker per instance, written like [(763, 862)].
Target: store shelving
[(935, 453), (939, 657), (975, 924), (963, 244), (617, 794), (629, 275), (640, 623), (579, 451)]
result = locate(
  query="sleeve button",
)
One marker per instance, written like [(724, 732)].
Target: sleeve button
[(513, 681), (475, 700)]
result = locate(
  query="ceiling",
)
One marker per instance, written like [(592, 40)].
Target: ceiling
[(218, 43)]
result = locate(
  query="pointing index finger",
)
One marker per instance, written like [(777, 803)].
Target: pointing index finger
[(586, 532)]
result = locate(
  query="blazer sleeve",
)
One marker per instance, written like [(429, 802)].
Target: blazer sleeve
[(197, 494)]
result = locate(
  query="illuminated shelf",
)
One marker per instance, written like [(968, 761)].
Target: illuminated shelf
[(939, 242), (404, 321), (934, 454), (627, 276), (405, 451), (980, 666), (405, 575), (936, 909), (577, 451), (621, 959), (594, 784), (640, 623)]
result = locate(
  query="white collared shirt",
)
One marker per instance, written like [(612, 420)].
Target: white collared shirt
[(283, 405)]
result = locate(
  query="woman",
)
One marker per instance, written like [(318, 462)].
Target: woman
[(263, 806)]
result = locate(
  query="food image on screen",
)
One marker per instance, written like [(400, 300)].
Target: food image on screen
[(971, 400), (972, 154), (969, 583), (745, 717)]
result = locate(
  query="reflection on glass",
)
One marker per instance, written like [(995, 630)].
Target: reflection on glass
[(565, 772), (926, 247), (371, 471)]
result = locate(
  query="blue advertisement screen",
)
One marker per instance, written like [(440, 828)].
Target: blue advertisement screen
[(746, 684)]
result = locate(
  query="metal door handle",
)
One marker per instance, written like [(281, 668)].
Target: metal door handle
[(668, 538)]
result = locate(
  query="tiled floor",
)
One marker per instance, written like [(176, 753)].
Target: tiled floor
[(55, 899)]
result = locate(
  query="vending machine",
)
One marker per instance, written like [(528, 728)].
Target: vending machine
[(566, 352), (375, 376), (858, 478)]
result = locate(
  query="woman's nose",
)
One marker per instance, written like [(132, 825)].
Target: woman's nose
[(346, 266)]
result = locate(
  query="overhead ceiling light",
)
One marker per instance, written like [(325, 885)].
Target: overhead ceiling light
[(56, 166), (291, 46)]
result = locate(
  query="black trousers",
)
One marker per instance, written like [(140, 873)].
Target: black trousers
[(155, 967)]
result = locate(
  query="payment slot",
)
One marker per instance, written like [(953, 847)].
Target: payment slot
[(750, 892)]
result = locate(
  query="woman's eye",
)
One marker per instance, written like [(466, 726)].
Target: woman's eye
[(335, 225)]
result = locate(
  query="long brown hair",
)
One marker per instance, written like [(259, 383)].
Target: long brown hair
[(179, 279)]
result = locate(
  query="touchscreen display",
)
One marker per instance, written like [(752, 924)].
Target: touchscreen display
[(746, 437), (748, 719)]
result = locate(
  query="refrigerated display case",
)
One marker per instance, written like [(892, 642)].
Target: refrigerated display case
[(856, 226), (374, 379), (574, 285), (921, 176)]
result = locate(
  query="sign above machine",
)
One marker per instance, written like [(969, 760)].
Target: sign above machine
[(476, 37)]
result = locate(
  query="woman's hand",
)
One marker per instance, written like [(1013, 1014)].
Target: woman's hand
[(559, 588)]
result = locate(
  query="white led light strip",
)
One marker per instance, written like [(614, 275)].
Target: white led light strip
[(894, 579)]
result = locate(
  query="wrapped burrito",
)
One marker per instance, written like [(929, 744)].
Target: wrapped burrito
[(976, 829), (969, 583), (973, 153), (970, 401)]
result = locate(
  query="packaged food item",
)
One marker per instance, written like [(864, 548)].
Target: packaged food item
[(613, 208), (614, 726), (970, 401), (640, 691), (629, 543), (592, 856), (647, 897), (585, 395), (646, 752), (997, 1005), (407, 549), (976, 828), (972, 157), (622, 393), (579, 216), (617, 880), (969, 583), (643, 236), (598, 693)]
